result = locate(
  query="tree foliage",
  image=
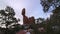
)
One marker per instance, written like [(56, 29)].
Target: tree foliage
[(49, 3), (53, 26), (8, 23)]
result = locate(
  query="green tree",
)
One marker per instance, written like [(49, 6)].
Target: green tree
[(47, 4), (54, 21), (8, 23)]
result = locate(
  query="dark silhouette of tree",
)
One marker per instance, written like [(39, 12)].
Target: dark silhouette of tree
[(53, 23), (8, 23), (49, 3), (55, 18), (53, 26)]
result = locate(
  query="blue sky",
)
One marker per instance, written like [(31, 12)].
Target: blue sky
[(33, 8)]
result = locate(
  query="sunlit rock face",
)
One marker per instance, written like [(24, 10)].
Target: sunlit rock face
[(27, 20)]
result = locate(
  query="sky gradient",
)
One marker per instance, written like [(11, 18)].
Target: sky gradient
[(33, 8)]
